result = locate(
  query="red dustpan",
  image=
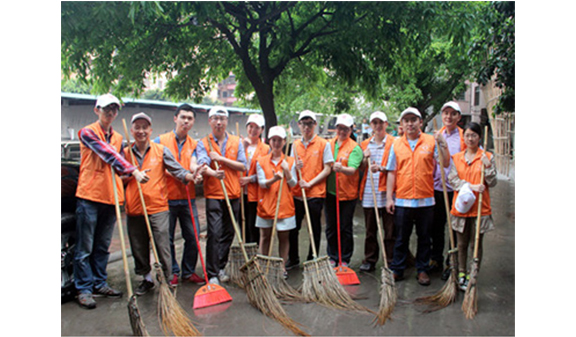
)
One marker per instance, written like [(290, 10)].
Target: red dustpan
[(209, 294), (346, 276)]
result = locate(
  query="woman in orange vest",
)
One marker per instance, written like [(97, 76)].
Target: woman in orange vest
[(270, 169), (467, 170), (348, 157)]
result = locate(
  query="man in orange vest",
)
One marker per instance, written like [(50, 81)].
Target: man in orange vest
[(100, 147), (155, 159), (454, 135), (182, 146), (411, 169), (376, 149), (347, 157), (227, 150), (315, 162)]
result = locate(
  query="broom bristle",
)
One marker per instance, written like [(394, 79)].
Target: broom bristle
[(273, 268), (470, 303), (138, 327), (236, 261), (444, 297), (321, 285), (388, 297), (261, 296)]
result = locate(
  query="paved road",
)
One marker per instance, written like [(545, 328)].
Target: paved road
[(496, 301)]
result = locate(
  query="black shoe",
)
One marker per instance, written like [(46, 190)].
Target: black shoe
[(367, 267), (144, 287), (292, 264), (446, 273), (106, 291)]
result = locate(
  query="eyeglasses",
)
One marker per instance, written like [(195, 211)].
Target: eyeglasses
[(110, 108)]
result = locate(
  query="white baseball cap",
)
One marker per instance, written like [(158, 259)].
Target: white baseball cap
[(218, 111), (452, 105), (408, 111), (277, 131), (380, 115), (141, 115), (256, 119), (345, 119), (106, 100), (307, 113)]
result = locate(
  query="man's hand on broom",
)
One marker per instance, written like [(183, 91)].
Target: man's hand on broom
[(141, 176)]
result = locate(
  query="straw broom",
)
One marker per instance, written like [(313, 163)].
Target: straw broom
[(258, 290), (138, 327), (171, 315), (447, 294), (470, 303), (320, 283), (388, 293)]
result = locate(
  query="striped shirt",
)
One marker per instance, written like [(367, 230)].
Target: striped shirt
[(376, 153)]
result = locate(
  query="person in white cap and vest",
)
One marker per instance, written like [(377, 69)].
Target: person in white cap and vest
[(410, 169), (154, 159), (100, 148), (314, 159), (347, 159), (228, 151), (254, 148), (376, 149), (451, 115)]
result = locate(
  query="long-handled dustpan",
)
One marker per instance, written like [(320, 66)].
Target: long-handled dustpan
[(138, 327)]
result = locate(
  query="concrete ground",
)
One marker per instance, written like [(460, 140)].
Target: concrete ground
[(496, 301)]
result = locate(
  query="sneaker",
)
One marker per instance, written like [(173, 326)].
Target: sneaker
[(367, 267), (214, 280), (86, 301), (332, 263), (106, 291), (446, 273), (285, 275), (344, 264), (292, 264), (462, 281), (194, 278), (144, 287), (174, 281), (222, 276)]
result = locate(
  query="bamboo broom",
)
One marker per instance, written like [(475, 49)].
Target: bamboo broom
[(138, 327), (470, 303), (447, 294), (320, 283), (388, 293), (258, 290), (171, 315)]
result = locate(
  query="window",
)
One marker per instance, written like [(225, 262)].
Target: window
[(477, 95)]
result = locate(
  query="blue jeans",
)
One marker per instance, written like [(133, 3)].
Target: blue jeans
[(190, 254), (405, 219), (94, 228)]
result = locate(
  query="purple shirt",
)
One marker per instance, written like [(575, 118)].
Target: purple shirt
[(453, 142)]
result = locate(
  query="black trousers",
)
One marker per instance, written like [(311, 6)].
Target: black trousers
[(437, 231), (220, 233), (346, 209), (252, 232), (315, 207)]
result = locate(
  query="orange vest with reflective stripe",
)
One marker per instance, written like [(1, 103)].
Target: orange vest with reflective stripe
[(471, 173), (347, 184), (383, 175), (176, 189), (155, 191), (212, 186), (313, 159), (414, 169), (268, 197), (261, 150), (95, 177)]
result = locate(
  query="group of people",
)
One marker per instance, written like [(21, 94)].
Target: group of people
[(317, 176)]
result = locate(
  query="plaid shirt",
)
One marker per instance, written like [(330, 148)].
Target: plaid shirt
[(105, 151)]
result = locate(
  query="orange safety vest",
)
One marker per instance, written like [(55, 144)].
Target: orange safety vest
[(348, 184), (212, 187), (461, 132), (177, 189), (155, 191), (313, 159), (471, 173), (383, 175), (414, 169), (261, 150), (95, 178), (268, 197)]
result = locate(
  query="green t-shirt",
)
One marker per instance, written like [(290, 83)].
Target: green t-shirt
[(354, 160)]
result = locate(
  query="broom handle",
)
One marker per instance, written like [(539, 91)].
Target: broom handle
[(277, 209), (232, 217), (242, 194), (310, 232), (338, 220), (121, 234), (380, 230), (478, 218), (150, 235), (446, 202), (196, 234)]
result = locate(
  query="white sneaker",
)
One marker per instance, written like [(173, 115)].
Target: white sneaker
[(222, 276), (214, 280)]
